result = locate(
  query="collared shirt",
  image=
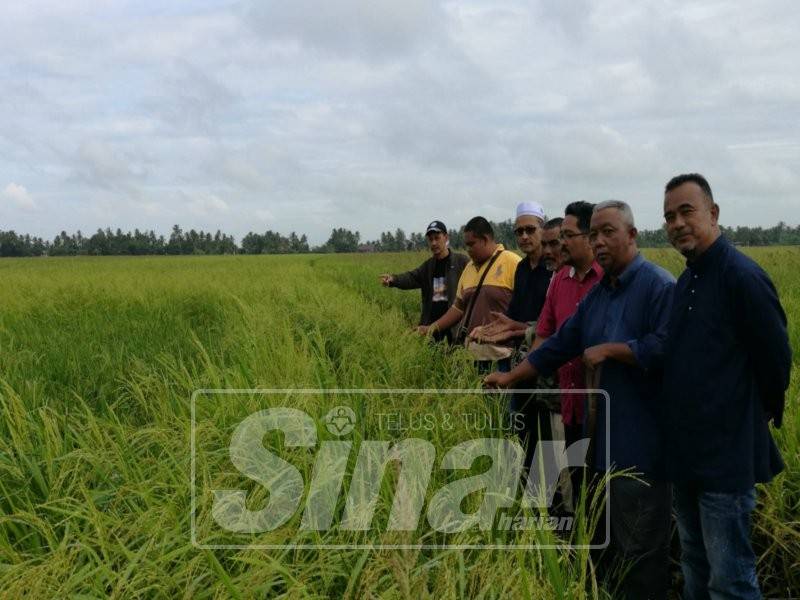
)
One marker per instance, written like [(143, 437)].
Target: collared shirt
[(634, 311), (530, 291), (565, 293), (727, 349), (495, 293)]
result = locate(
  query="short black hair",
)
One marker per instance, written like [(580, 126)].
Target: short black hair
[(582, 211), (553, 223), (696, 178), (480, 227)]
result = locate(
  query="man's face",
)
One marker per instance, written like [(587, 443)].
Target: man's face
[(437, 243), (577, 249), (528, 230), (478, 248), (690, 219), (552, 248), (612, 240)]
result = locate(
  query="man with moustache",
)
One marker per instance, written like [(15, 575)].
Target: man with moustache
[(436, 278), (552, 245), (569, 286), (531, 280), (619, 328), (726, 370), (532, 277)]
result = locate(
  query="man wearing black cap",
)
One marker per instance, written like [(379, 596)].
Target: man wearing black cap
[(436, 278)]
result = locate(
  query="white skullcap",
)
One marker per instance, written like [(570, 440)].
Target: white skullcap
[(533, 209)]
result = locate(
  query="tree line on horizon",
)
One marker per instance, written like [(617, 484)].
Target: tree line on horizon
[(106, 242)]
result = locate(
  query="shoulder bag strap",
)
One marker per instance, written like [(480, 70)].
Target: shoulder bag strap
[(471, 305)]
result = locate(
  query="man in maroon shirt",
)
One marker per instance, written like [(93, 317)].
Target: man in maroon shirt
[(579, 274)]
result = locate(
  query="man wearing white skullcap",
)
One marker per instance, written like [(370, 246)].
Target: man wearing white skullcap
[(531, 279), (530, 209)]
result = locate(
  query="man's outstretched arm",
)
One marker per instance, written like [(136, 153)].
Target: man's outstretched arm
[(410, 280)]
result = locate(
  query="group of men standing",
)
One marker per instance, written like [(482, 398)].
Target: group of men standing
[(694, 369)]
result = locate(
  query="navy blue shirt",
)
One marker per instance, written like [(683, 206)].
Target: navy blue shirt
[(727, 350), (530, 290), (635, 312)]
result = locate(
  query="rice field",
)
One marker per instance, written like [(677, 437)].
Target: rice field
[(99, 358)]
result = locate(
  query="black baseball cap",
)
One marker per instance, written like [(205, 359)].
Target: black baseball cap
[(436, 226)]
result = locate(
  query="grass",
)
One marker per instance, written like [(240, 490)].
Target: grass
[(98, 361)]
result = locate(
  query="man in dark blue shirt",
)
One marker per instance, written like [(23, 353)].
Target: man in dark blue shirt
[(726, 369), (619, 328)]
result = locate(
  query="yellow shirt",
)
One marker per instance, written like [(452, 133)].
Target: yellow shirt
[(496, 290)]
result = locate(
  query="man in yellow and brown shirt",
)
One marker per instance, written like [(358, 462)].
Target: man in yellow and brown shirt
[(498, 285)]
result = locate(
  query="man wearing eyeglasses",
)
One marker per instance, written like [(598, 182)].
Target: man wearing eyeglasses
[(569, 286), (531, 280), (579, 275)]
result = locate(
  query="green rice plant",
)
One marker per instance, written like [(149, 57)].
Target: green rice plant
[(98, 362)]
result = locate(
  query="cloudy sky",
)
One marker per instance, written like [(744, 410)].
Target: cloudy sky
[(377, 114)]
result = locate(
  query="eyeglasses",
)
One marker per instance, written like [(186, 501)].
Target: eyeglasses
[(529, 229), (568, 235)]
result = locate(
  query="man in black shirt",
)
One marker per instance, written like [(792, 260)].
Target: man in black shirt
[(726, 369), (532, 277), (436, 278)]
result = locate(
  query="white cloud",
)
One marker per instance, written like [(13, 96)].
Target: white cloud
[(19, 196), (365, 29), (381, 114), (264, 214), (206, 204), (103, 165)]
